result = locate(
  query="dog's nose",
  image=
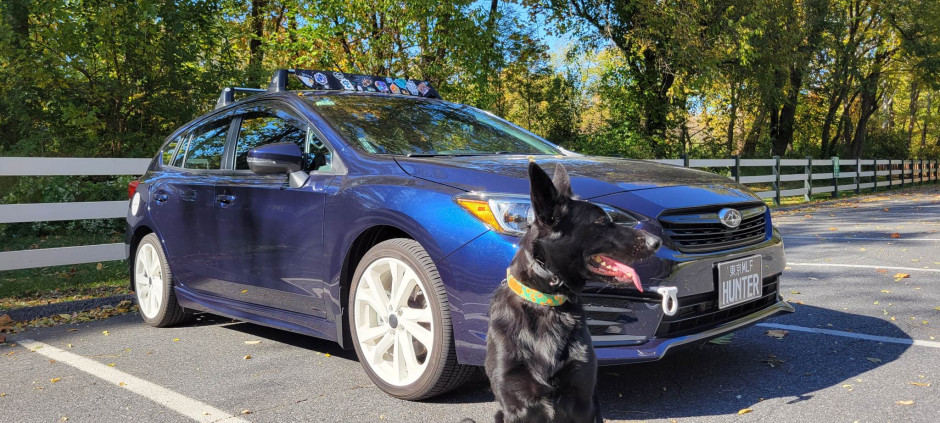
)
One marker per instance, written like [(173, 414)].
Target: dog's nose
[(653, 242)]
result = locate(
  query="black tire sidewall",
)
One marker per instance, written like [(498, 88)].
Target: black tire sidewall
[(431, 284)]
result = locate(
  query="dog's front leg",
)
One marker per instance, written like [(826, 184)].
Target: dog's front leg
[(598, 418)]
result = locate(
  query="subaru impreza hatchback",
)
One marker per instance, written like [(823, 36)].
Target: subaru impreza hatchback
[(368, 211)]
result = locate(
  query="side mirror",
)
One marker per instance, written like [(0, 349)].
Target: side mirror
[(282, 157)]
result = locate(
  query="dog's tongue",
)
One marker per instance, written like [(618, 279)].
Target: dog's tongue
[(627, 270)]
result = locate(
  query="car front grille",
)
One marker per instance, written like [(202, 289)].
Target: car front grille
[(700, 231), (700, 312)]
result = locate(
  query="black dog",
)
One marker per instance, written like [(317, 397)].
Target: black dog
[(539, 356)]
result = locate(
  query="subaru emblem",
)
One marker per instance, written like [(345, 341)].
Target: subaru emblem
[(730, 217)]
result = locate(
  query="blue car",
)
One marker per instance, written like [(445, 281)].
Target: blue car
[(368, 211)]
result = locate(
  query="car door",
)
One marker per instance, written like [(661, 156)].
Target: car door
[(272, 242), (183, 203)]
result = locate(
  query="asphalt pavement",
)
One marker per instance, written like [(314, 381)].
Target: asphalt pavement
[(863, 346)]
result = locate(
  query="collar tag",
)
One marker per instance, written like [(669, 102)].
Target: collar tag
[(533, 295)]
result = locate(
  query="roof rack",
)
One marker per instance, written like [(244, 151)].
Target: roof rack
[(338, 81)]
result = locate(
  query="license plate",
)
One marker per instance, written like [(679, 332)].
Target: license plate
[(740, 281)]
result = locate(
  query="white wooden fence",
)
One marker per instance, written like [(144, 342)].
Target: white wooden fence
[(862, 174)]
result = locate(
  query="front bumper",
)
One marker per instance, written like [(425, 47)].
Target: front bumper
[(626, 326), (654, 349)]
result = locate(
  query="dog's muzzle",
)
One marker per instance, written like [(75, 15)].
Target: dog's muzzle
[(670, 303)]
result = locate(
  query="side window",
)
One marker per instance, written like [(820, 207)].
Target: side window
[(170, 148), (263, 127), (181, 151), (206, 146)]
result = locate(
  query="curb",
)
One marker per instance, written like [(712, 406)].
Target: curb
[(67, 307)]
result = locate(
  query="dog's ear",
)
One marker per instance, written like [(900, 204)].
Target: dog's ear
[(561, 181), (543, 194)]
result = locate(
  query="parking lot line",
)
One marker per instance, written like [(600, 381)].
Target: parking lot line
[(867, 266), (196, 410), (887, 339), (832, 238)]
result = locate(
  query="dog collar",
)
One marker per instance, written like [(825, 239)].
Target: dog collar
[(533, 295)]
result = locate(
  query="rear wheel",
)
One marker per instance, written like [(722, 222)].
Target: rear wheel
[(400, 322), (153, 285)]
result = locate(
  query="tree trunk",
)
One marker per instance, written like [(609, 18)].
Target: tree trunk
[(926, 125), (255, 54), (912, 113), (753, 136), (783, 137), (733, 115), (868, 106)]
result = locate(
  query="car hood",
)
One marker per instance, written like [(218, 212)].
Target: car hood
[(590, 176)]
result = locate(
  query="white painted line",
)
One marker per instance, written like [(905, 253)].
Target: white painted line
[(196, 410), (830, 238), (887, 339), (866, 266)]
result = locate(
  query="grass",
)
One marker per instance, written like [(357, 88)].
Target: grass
[(817, 198), (47, 285)]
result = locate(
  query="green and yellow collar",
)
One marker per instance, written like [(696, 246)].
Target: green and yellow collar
[(533, 295)]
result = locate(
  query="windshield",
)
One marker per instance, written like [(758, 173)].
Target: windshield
[(406, 126)]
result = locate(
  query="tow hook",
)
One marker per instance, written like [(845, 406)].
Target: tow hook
[(670, 302)]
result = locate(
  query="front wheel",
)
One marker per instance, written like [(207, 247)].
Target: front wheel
[(400, 322)]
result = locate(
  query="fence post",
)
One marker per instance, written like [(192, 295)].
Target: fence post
[(890, 173), (921, 173), (737, 168), (685, 160), (835, 177), (808, 184), (777, 182), (858, 176), (874, 178)]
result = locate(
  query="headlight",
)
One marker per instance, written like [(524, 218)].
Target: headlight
[(511, 214)]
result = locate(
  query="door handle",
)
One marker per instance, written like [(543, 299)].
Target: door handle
[(161, 198), (225, 199)]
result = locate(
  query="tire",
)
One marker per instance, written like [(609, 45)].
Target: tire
[(153, 285), (414, 313)]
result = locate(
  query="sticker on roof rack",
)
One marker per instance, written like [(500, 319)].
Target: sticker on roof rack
[(320, 80)]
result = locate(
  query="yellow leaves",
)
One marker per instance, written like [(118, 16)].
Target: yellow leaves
[(244, 291), (68, 345), (99, 266), (908, 402), (247, 357), (895, 235), (919, 383), (176, 339), (776, 333), (327, 355), (937, 308), (111, 364), (833, 229), (120, 383), (65, 316), (55, 379), (885, 291), (246, 411), (744, 411), (795, 292), (898, 276), (252, 342), (105, 333)]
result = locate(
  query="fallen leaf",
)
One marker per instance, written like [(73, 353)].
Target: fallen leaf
[(862, 249), (776, 333), (247, 357), (120, 383), (898, 276), (873, 359), (911, 402), (99, 266), (252, 342), (919, 384), (246, 411), (846, 386), (744, 411), (882, 270), (68, 345), (111, 364), (244, 291), (886, 209), (885, 291), (55, 379), (106, 333), (794, 292), (895, 235), (205, 413), (5, 319), (937, 308), (326, 355), (176, 339)]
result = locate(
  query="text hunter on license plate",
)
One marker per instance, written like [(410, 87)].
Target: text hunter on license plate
[(739, 281)]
